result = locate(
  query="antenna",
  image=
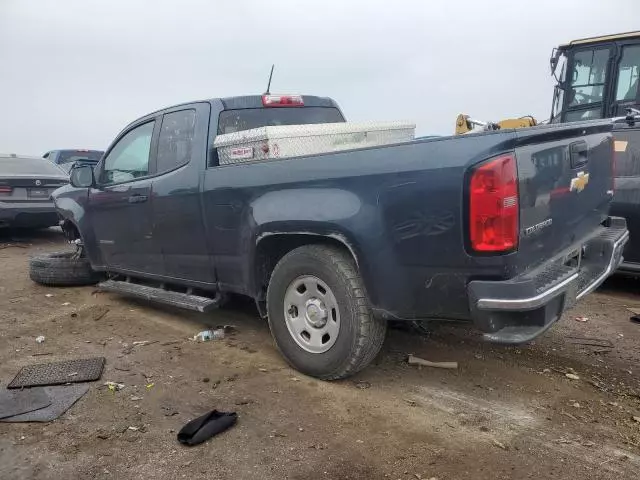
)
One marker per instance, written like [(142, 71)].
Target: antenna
[(270, 76)]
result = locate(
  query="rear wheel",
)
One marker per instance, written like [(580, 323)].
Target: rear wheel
[(62, 269), (319, 314)]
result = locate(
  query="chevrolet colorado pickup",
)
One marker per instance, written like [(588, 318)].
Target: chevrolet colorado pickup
[(503, 229)]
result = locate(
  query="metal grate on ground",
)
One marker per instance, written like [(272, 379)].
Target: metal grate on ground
[(59, 373)]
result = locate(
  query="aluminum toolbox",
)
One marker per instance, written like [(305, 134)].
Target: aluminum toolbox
[(273, 142)]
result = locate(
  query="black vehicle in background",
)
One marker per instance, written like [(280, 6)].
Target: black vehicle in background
[(67, 159), (26, 185), (598, 78)]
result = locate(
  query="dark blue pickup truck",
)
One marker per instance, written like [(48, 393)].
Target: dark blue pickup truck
[(503, 229)]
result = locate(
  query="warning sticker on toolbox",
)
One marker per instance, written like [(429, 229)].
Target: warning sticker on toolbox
[(241, 153)]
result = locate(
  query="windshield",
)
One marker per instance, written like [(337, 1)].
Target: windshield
[(236, 120), (68, 156), (587, 79), (22, 166)]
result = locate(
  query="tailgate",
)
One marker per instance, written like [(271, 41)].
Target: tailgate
[(565, 187)]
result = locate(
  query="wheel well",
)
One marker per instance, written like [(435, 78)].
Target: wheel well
[(70, 230), (272, 248)]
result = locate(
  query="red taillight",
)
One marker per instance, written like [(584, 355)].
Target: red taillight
[(494, 206), (282, 101), (5, 189)]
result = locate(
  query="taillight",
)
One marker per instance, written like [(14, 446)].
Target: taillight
[(494, 206), (282, 101), (5, 190)]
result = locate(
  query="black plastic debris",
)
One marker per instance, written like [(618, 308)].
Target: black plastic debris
[(203, 428)]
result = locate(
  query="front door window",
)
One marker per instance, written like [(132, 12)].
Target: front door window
[(129, 158)]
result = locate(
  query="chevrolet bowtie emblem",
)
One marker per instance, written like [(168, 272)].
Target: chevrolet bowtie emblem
[(579, 182)]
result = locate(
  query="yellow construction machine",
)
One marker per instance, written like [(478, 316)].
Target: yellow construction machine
[(466, 124), (597, 77)]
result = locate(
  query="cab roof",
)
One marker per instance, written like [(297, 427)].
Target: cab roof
[(601, 38), (244, 101), (255, 101)]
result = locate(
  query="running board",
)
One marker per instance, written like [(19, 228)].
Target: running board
[(159, 295)]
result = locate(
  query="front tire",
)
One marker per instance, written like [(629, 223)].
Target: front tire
[(319, 313)]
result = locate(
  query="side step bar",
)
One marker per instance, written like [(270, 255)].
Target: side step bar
[(159, 295)]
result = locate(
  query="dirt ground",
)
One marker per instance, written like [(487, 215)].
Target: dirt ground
[(505, 413)]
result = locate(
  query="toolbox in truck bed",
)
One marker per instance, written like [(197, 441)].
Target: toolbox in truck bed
[(284, 141)]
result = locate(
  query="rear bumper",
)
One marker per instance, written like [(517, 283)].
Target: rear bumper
[(519, 309), (28, 214)]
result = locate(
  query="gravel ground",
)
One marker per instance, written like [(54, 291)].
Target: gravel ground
[(504, 413)]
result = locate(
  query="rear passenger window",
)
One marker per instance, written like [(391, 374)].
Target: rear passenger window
[(175, 144)]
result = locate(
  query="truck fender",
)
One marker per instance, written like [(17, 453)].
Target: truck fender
[(287, 219), (272, 245), (75, 225), (69, 210), (338, 237)]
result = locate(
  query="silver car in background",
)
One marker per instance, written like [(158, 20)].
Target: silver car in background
[(26, 185)]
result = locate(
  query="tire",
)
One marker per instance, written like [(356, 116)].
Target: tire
[(62, 269), (354, 336)]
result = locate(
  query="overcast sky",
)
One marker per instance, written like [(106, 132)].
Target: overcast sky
[(74, 72)]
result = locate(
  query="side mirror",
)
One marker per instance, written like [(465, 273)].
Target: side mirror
[(82, 176)]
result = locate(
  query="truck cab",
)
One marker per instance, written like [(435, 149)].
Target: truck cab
[(154, 157)]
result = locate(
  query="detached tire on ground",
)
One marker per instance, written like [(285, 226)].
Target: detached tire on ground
[(62, 269), (319, 313)]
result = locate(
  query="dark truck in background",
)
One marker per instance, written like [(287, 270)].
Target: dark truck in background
[(503, 229), (67, 159), (626, 202), (597, 77)]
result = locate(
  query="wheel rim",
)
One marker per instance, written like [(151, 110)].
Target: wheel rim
[(311, 314)]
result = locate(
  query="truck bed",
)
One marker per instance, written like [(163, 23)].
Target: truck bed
[(404, 205)]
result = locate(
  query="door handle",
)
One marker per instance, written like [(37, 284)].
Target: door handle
[(579, 152), (137, 198)]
